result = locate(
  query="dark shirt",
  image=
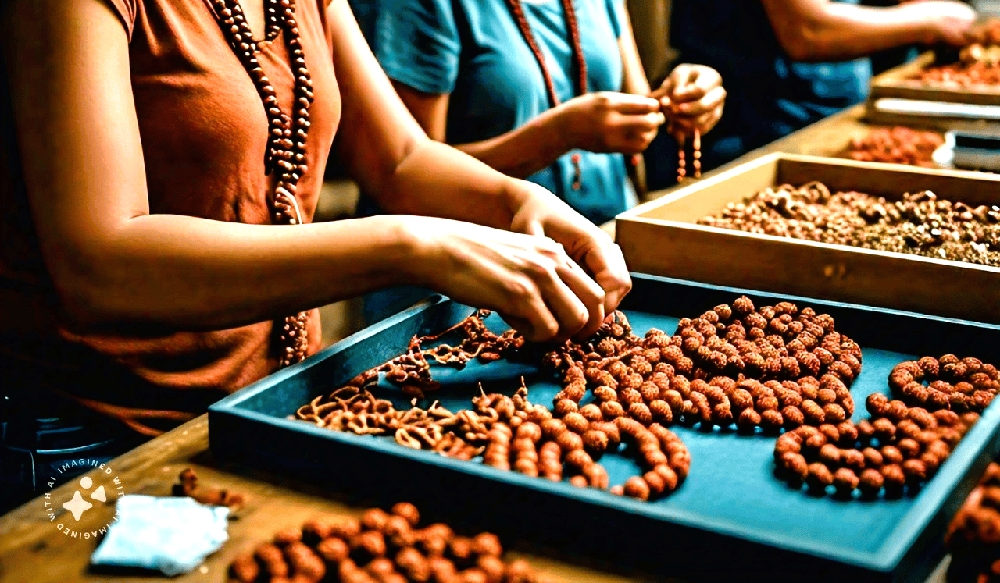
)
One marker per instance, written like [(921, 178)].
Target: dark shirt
[(769, 94)]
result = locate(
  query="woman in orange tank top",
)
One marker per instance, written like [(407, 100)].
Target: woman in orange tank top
[(161, 165)]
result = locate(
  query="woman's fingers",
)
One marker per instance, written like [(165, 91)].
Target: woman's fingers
[(591, 295), (708, 102), (628, 104), (605, 261)]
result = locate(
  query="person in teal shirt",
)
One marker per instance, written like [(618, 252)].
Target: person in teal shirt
[(466, 70), (547, 90)]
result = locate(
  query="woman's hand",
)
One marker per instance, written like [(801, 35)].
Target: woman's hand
[(693, 95), (528, 280), (555, 277), (947, 21), (608, 122), (541, 214)]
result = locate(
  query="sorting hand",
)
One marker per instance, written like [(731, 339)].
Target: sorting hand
[(693, 96), (536, 279), (949, 22), (609, 122), (542, 214)]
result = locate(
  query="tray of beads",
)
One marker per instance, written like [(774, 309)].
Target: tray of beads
[(799, 439), (902, 237), (946, 88)]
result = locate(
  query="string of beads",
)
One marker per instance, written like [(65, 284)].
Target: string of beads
[(285, 157)]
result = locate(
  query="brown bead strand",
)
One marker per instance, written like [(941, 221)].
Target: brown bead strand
[(681, 163), (696, 145), (287, 142), (912, 444), (961, 385), (573, 28), (973, 537)]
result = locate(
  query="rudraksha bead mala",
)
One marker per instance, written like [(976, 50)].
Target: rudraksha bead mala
[(896, 447), (381, 547), (919, 223), (958, 384), (288, 132), (895, 145), (411, 370), (973, 536), (775, 367), (682, 156)]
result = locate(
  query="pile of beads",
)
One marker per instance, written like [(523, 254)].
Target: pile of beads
[(379, 548), (896, 145), (896, 447), (437, 429), (411, 370), (529, 440), (775, 367), (973, 537), (919, 223), (961, 385)]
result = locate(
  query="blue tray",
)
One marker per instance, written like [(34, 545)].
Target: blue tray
[(731, 518)]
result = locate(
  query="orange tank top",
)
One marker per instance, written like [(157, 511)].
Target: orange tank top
[(204, 134)]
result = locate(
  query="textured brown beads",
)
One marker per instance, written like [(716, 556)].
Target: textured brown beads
[(896, 447), (954, 384), (371, 552)]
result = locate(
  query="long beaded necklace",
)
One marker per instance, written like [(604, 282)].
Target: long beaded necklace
[(517, 10), (286, 149)]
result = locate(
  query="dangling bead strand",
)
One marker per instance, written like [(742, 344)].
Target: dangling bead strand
[(286, 149)]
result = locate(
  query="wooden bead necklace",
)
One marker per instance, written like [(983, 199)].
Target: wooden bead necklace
[(517, 10), (286, 149)]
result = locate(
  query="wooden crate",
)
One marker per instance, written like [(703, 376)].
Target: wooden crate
[(896, 83), (662, 238)]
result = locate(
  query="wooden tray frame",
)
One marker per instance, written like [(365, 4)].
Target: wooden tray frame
[(895, 83), (662, 238)]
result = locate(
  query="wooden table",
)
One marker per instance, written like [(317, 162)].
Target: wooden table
[(33, 549)]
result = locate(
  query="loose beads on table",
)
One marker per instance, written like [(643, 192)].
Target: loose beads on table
[(381, 547)]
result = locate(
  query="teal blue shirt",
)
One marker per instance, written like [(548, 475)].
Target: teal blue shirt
[(473, 50)]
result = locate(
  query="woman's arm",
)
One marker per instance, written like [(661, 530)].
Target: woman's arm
[(598, 122), (407, 172), (520, 153), (113, 263), (821, 30), (110, 260)]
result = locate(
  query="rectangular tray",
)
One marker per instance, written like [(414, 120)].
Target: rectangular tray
[(731, 517), (662, 238), (894, 84)]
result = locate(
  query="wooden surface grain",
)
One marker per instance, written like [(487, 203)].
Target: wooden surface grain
[(34, 549)]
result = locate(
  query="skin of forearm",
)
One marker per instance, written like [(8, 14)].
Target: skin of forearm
[(834, 31), (438, 180), (524, 151), (193, 273)]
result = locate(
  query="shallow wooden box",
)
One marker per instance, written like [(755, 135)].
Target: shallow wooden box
[(982, 115), (662, 238)]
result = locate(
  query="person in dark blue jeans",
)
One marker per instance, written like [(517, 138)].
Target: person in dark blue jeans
[(789, 63)]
